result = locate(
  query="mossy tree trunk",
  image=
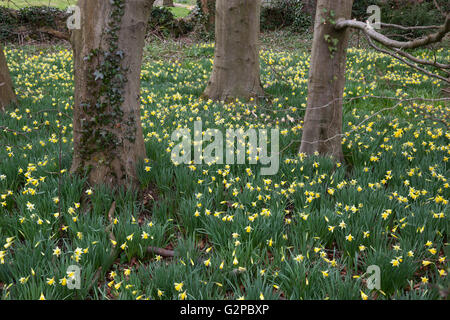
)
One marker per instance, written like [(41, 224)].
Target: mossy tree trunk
[(7, 95), (322, 131), (236, 70), (108, 49)]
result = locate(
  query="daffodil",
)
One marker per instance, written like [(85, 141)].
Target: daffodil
[(178, 286)]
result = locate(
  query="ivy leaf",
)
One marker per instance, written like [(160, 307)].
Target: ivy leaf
[(98, 75), (120, 54)]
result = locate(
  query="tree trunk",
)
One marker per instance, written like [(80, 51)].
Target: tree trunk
[(108, 49), (322, 130), (168, 3), (310, 8), (7, 95), (236, 71), (208, 8)]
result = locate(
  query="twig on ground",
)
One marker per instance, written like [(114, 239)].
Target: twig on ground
[(162, 252)]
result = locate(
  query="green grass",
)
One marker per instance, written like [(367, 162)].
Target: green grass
[(15, 4), (180, 12), (187, 2), (391, 196)]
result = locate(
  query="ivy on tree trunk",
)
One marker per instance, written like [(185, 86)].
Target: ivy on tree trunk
[(108, 49)]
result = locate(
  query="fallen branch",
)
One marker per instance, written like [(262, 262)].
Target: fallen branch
[(14, 131), (55, 33), (95, 279), (53, 110), (114, 251), (162, 252)]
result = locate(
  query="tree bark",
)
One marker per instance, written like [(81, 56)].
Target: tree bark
[(236, 70), (322, 132), (108, 49), (310, 7), (7, 95), (168, 3), (208, 8)]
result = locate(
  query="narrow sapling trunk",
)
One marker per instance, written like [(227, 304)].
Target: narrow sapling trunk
[(7, 95)]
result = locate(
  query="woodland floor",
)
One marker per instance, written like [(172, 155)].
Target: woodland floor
[(309, 232)]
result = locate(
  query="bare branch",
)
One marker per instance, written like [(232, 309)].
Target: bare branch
[(431, 38), (422, 61), (399, 103), (438, 7), (412, 65), (407, 28), (6, 129)]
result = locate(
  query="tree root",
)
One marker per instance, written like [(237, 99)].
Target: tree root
[(115, 252)]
